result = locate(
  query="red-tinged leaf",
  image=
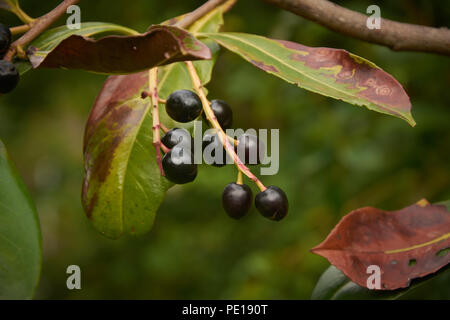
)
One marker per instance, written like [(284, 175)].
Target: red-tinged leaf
[(122, 187), (406, 244), (160, 45), (331, 72)]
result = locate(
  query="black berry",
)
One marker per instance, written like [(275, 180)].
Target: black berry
[(9, 77), (250, 149), (177, 136), (211, 143), (272, 203), (5, 39), (183, 106), (236, 200), (223, 113), (179, 166)]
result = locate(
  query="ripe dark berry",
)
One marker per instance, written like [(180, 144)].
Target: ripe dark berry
[(250, 149), (5, 39), (210, 144), (236, 200), (179, 166), (272, 203), (223, 113), (177, 136), (9, 77), (183, 106)]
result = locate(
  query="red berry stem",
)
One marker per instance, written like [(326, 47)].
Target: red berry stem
[(153, 89), (213, 120), (163, 127)]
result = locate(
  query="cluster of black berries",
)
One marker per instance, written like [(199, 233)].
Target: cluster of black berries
[(179, 167), (9, 77)]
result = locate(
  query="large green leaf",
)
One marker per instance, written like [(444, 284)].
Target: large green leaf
[(49, 39), (334, 285), (331, 72), (20, 237), (123, 188)]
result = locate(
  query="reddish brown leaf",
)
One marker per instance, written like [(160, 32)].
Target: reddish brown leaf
[(160, 45), (406, 244)]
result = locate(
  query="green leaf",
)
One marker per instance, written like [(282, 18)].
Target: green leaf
[(331, 72), (334, 285), (49, 39), (123, 188), (20, 237), (160, 45)]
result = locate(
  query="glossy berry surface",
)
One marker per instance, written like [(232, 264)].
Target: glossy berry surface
[(236, 200), (211, 143), (272, 203), (179, 166), (250, 149), (183, 106), (5, 39), (177, 136), (9, 77), (223, 113)]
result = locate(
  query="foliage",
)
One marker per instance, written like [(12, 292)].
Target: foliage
[(349, 153), (20, 236)]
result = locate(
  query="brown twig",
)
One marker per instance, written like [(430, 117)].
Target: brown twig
[(395, 35), (190, 18), (153, 89), (39, 25), (213, 120)]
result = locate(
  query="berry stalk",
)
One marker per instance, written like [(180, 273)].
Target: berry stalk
[(20, 29), (153, 89), (213, 120), (164, 128), (239, 177)]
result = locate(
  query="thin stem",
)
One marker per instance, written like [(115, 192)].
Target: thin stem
[(213, 120), (239, 177), (231, 139), (153, 89), (164, 148), (17, 10), (163, 128), (20, 29), (37, 27), (163, 101), (193, 16)]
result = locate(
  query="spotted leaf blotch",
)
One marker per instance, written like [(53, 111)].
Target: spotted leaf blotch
[(331, 72), (405, 244)]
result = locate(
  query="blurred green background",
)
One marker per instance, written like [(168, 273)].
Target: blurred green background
[(334, 158)]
